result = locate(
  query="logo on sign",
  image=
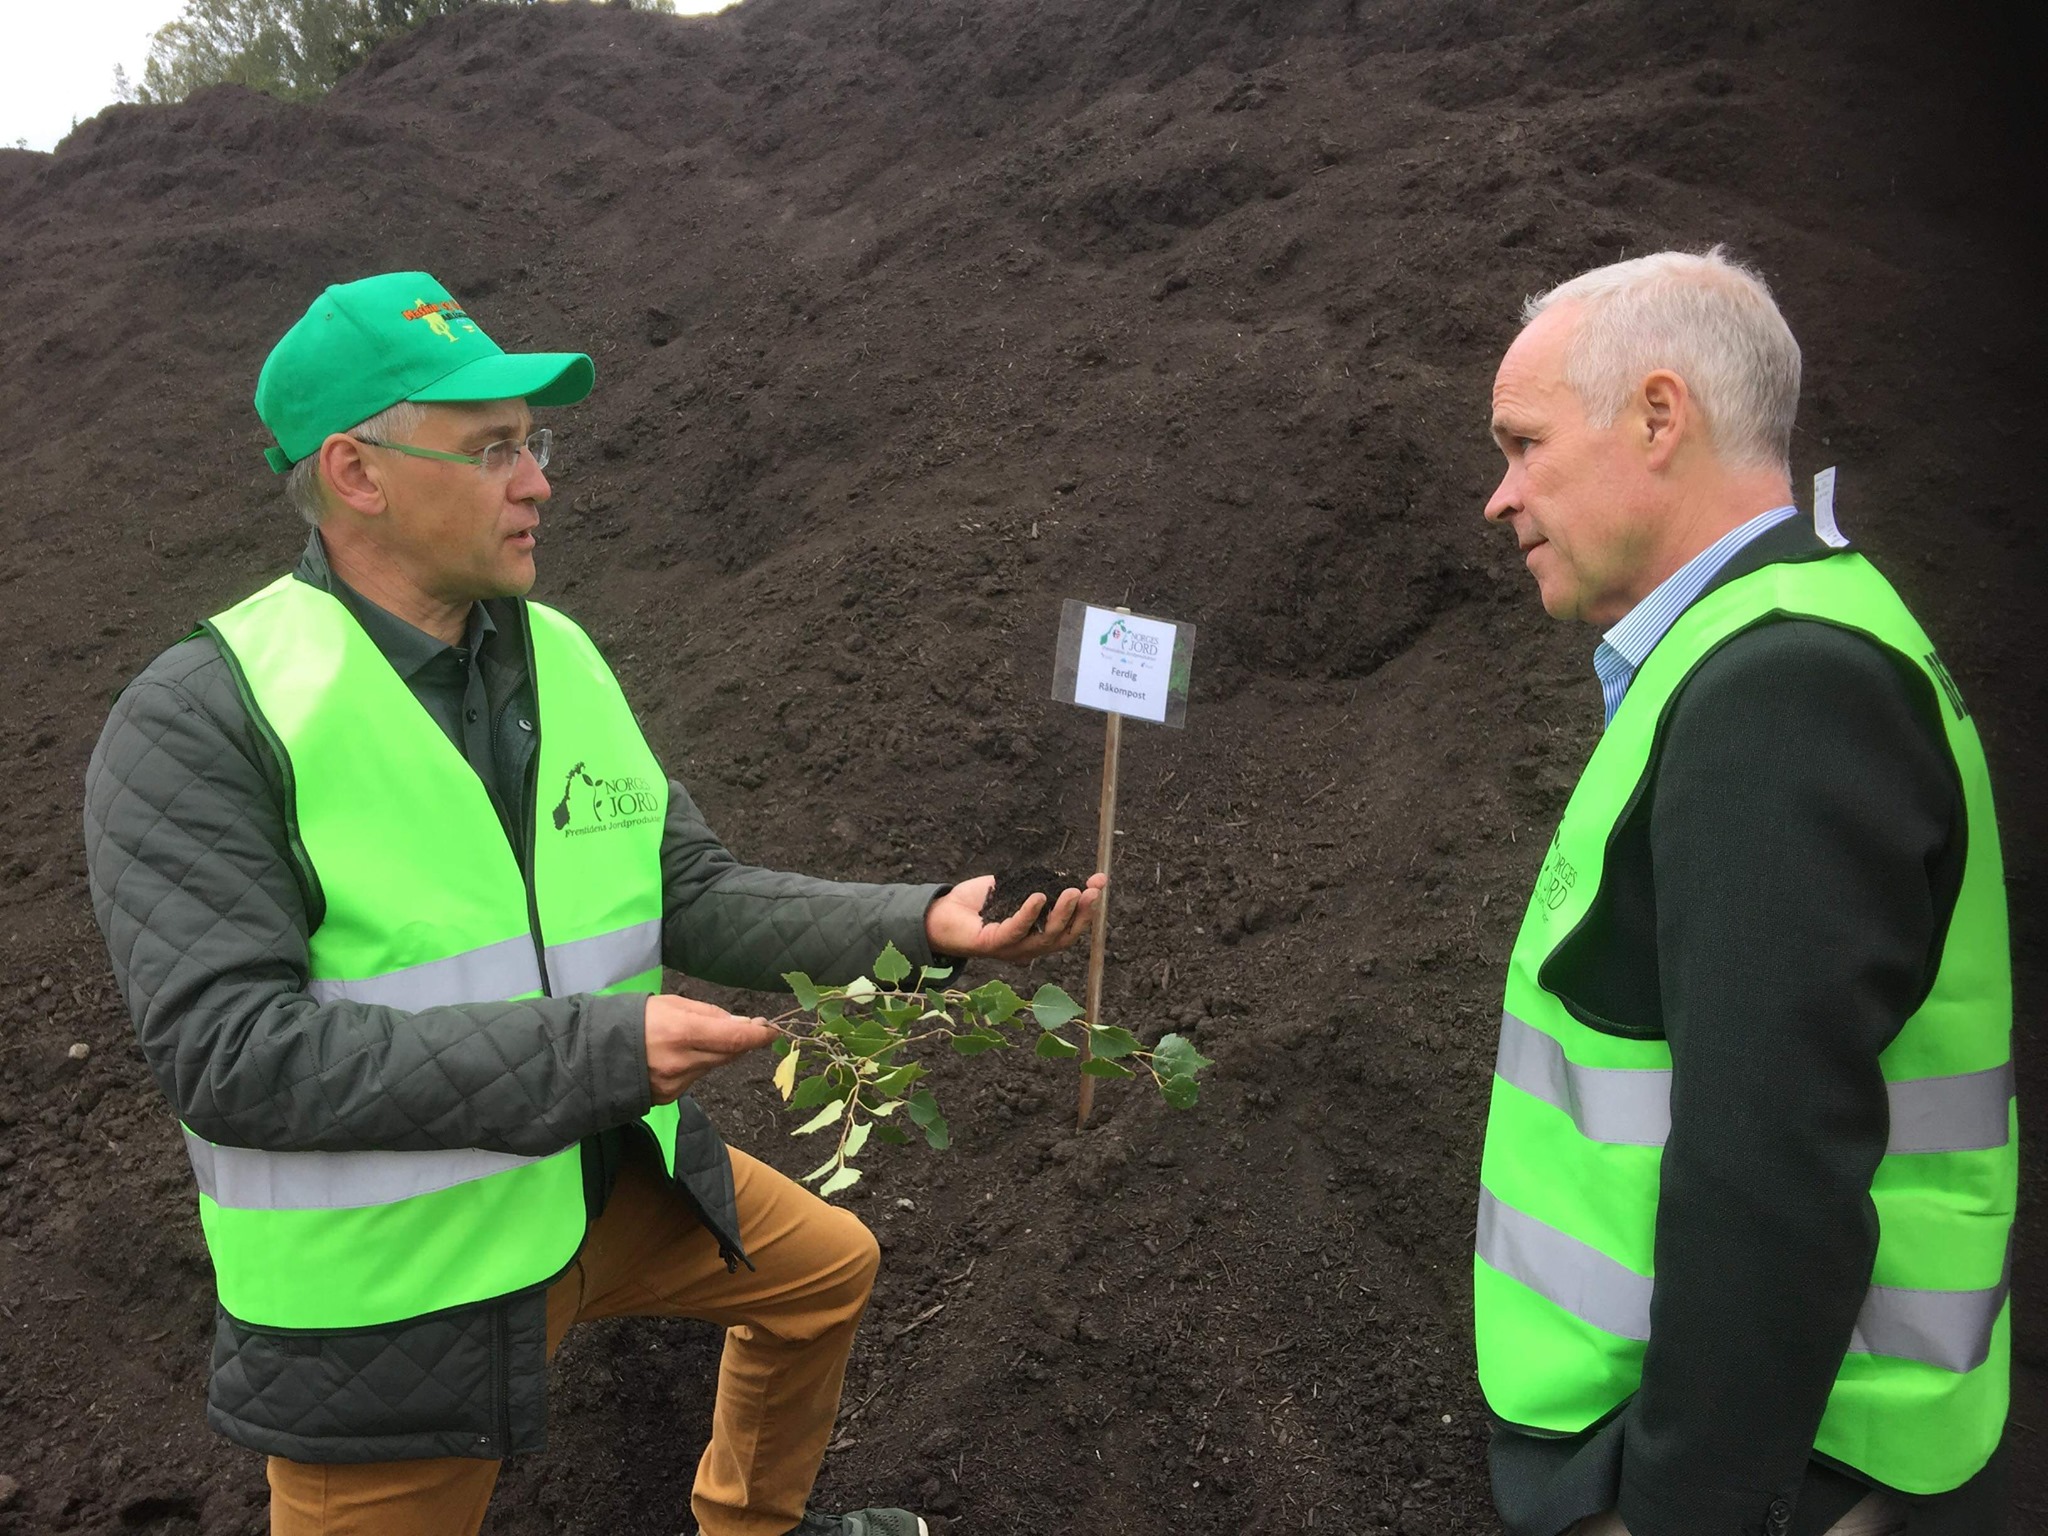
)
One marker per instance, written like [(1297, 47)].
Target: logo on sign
[(1128, 652), (1122, 640), (591, 803)]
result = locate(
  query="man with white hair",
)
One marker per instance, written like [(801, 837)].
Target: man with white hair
[(1750, 1168)]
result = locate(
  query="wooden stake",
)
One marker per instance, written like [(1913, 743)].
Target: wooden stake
[(1098, 945)]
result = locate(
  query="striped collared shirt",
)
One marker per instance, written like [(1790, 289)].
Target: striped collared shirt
[(1628, 645)]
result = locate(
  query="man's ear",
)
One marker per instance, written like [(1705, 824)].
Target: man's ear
[(352, 478), (1666, 416)]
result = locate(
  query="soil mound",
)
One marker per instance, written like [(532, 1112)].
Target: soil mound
[(911, 320)]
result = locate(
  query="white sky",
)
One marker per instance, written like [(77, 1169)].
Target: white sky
[(58, 62)]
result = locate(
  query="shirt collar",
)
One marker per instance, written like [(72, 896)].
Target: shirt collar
[(1628, 644)]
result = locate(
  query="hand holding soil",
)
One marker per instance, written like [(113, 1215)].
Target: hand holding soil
[(686, 1039), (955, 925)]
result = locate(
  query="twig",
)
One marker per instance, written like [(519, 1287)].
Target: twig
[(921, 1319), (846, 1419)]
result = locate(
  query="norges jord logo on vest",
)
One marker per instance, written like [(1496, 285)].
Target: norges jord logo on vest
[(591, 803), (1555, 880)]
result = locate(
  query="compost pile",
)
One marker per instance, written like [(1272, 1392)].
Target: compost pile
[(910, 320)]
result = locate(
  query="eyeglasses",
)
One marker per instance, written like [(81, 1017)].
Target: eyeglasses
[(499, 458)]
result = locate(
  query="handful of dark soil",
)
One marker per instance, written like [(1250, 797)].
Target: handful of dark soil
[(1015, 887)]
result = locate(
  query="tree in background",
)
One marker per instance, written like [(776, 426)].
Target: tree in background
[(284, 47), (293, 49)]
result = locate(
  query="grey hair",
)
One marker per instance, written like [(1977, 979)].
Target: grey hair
[(302, 482), (1707, 318)]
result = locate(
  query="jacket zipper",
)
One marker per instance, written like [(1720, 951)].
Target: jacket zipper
[(522, 853)]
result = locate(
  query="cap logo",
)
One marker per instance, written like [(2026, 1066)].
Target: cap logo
[(435, 313)]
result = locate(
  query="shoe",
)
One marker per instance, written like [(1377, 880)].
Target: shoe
[(863, 1522)]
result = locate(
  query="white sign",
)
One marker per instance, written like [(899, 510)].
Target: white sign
[(1125, 664)]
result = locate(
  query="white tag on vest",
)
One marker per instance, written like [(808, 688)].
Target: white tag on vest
[(1824, 509)]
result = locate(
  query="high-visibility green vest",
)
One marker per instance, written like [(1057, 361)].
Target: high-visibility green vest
[(1575, 1134), (422, 903)]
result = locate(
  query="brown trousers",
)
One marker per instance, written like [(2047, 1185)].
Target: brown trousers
[(789, 1326)]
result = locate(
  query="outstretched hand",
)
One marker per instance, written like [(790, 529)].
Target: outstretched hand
[(687, 1038), (954, 924)]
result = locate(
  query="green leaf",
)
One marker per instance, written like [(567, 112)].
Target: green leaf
[(1176, 1056), (1052, 1007), (890, 966), (822, 1169), (892, 1135), (1053, 1048), (1096, 1066), (927, 973), (923, 1107), (813, 1091), (882, 1111), (1108, 1040), (898, 1016), (857, 1138), (845, 1178), (805, 989), (995, 1001), (1180, 1092), (937, 1134), (829, 1115), (871, 1038), (831, 1013), (976, 1043), (897, 1080)]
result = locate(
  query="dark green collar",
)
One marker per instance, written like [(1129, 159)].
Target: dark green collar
[(407, 648)]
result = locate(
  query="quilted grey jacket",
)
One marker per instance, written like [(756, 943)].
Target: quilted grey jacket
[(206, 919)]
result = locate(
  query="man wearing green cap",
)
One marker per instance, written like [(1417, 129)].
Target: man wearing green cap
[(389, 877)]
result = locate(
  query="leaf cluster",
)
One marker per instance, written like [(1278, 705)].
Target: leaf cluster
[(848, 1052)]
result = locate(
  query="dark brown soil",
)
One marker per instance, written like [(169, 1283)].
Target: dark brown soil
[(912, 320), (1014, 887)]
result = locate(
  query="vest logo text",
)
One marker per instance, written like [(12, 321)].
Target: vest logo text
[(591, 803), (1554, 884)]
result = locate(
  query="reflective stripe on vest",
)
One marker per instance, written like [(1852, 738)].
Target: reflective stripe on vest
[(246, 1179), (1631, 1106), (605, 959), (1948, 1329), (507, 969), (249, 1179)]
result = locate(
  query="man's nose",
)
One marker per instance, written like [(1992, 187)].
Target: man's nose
[(1506, 498), (529, 481)]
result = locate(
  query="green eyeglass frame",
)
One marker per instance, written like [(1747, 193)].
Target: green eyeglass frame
[(499, 458)]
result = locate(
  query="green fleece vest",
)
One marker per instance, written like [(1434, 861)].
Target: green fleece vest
[(423, 904), (1575, 1135)]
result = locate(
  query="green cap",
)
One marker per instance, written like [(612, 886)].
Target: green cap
[(365, 346)]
